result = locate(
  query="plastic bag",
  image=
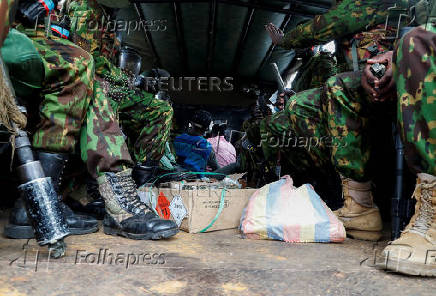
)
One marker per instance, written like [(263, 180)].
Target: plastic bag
[(283, 212)]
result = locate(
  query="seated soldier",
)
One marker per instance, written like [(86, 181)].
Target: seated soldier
[(145, 120), (414, 75), (73, 102)]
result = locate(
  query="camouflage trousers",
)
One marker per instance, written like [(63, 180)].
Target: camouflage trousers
[(74, 111), (329, 126), (102, 144), (321, 128), (315, 72), (66, 94), (415, 76), (146, 121)]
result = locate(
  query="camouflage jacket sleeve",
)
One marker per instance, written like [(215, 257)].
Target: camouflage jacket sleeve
[(347, 17)]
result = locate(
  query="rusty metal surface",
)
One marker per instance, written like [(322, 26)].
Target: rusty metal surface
[(216, 263)]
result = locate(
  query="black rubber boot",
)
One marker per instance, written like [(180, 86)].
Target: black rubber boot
[(145, 173), (20, 227), (95, 206), (53, 165), (126, 215), (19, 224)]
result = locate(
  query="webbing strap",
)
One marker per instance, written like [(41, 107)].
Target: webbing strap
[(354, 55)]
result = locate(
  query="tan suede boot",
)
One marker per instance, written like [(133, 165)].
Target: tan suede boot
[(361, 218), (414, 253)]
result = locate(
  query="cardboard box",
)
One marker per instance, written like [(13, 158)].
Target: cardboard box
[(201, 202)]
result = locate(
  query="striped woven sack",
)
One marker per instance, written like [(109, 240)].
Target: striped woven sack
[(280, 211)]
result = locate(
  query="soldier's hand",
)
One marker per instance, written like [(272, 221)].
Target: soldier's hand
[(379, 89), (275, 33)]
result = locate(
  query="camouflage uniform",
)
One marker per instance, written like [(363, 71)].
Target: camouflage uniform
[(328, 126), (72, 102), (346, 18), (102, 143), (322, 127), (67, 90), (415, 76), (316, 72), (145, 120)]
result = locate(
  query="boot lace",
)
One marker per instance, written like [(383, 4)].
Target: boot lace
[(423, 221), (130, 196)]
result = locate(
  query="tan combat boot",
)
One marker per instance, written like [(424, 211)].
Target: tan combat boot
[(414, 253), (361, 218)]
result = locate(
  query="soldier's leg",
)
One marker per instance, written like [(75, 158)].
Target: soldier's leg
[(415, 76), (147, 123), (347, 110), (102, 148), (102, 143), (68, 87), (65, 97), (298, 133), (106, 155)]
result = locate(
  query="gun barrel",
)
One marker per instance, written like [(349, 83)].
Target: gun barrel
[(280, 82)]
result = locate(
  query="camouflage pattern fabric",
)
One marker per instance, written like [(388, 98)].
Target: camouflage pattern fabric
[(73, 104), (67, 91), (348, 17), (102, 144), (323, 127), (316, 71), (147, 122), (89, 28), (415, 76)]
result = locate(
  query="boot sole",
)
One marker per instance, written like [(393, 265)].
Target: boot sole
[(407, 267), (26, 232), (364, 235), (147, 236)]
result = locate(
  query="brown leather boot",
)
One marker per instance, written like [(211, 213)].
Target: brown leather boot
[(361, 218), (414, 253)]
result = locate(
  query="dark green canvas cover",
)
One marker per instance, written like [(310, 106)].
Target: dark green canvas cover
[(25, 66)]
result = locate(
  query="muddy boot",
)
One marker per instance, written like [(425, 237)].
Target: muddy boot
[(360, 216), (126, 215), (414, 253)]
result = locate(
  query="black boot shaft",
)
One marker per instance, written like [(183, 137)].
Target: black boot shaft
[(53, 165)]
